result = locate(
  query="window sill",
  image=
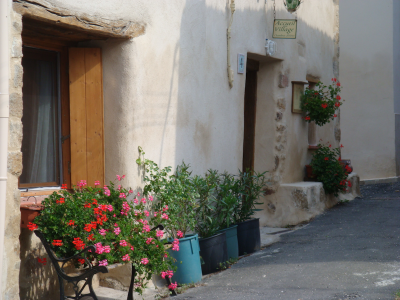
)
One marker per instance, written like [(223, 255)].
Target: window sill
[(36, 197)]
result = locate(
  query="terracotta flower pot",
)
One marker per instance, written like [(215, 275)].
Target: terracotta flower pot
[(29, 212)]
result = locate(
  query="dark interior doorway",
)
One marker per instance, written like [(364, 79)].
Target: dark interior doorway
[(250, 104)]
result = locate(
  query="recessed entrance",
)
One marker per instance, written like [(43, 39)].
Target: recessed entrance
[(250, 104)]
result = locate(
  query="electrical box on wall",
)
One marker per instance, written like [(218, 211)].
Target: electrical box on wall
[(270, 47)]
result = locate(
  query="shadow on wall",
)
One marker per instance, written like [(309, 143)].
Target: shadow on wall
[(36, 281)]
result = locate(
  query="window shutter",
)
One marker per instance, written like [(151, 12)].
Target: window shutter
[(86, 115)]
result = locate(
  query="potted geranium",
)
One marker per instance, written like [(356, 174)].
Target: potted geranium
[(119, 228), (320, 104), (175, 194), (326, 168)]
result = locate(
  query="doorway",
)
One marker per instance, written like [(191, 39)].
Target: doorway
[(250, 105)]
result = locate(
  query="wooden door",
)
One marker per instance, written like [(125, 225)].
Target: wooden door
[(250, 104)]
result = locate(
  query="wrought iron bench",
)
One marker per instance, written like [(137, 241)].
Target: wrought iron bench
[(86, 276)]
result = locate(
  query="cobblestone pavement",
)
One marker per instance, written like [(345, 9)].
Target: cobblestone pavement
[(350, 252)]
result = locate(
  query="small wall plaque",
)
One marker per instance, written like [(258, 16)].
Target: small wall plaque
[(297, 92), (241, 63), (285, 29)]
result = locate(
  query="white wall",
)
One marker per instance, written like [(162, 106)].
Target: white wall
[(366, 74)]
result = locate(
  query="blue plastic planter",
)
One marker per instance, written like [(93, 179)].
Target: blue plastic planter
[(231, 241), (187, 260)]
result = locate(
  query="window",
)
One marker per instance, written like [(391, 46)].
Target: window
[(62, 116)]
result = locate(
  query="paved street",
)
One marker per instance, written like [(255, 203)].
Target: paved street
[(350, 252)]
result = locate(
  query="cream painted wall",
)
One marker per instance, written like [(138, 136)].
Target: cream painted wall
[(366, 73), (168, 92)]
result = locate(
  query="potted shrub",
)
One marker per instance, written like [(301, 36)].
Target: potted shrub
[(327, 169), (119, 228), (175, 194), (213, 246), (228, 200), (251, 185), (320, 104)]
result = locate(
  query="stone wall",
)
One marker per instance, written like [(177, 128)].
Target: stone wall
[(12, 222)]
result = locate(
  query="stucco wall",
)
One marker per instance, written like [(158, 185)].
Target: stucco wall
[(366, 60), (168, 92)]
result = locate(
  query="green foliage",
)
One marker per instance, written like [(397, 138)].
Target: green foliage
[(206, 209), (175, 193), (119, 228), (252, 185), (320, 104), (327, 169)]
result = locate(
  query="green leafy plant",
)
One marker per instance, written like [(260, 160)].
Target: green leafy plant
[(327, 169), (206, 210), (229, 196), (252, 185), (119, 228), (320, 104), (174, 193)]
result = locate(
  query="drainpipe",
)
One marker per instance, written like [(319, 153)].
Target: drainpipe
[(4, 114)]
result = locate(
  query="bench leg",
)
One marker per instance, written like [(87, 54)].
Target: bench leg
[(91, 288), (61, 283), (130, 294)]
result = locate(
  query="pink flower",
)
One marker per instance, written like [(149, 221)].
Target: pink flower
[(110, 207), (164, 216), (143, 200), (120, 177), (102, 232), (146, 213), (146, 228), (103, 262), (130, 192), (165, 208), (96, 183), (132, 248), (107, 249), (175, 245), (117, 230), (160, 233), (99, 248), (155, 214), (173, 286), (179, 234), (119, 187), (149, 240), (136, 201), (81, 183), (151, 198), (168, 273), (144, 261), (166, 255), (138, 194), (123, 243), (122, 195), (126, 257)]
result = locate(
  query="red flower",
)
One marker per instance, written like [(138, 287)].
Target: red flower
[(64, 186), (326, 158), (338, 84), (330, 145), (337, 104), (81, 260), (325, 105), (348, 169), (87, 205), (79, 245), (62, 200), (94, 202), (341, 146), (334, 79), (71, 223), (31, 226), (90, 237), (338, 97), (307, 118), (316, 93), (57, 243), (335, 115), (349, 183), (88, 227)]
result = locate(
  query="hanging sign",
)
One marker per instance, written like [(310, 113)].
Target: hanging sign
[(285, 29)]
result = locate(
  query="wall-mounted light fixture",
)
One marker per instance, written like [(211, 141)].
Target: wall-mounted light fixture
[(270, 47), (292, 5)]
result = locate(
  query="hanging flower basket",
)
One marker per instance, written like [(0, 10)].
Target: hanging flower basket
[(29, 211)]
